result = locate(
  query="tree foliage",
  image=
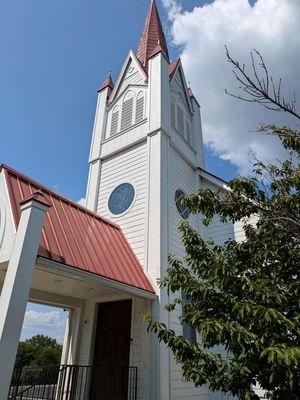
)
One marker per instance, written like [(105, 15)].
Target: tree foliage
[(244, 296), (40, 350)]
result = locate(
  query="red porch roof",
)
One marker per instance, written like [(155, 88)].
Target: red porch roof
[(74, 236)]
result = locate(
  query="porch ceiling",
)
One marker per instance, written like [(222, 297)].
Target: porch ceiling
[(63, 285)]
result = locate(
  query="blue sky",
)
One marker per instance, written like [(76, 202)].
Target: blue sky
[(44, 320), (54, 56)]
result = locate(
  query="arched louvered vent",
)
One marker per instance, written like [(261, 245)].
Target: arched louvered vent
[(180, 120), (139, 113), (114, 121), (172, 114), (127, 110), (188, 132)]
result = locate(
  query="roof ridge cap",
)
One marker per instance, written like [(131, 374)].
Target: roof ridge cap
[(37, 196)]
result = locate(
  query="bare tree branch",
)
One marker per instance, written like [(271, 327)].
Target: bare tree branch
[(260, 88)]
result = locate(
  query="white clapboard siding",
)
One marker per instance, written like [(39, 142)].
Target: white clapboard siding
[(182, 176), (139, 356), (217, 230), (220, 232), (128, 166), (86, 334)]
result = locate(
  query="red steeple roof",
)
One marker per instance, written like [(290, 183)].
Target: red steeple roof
[(107, 83), (152, 36)]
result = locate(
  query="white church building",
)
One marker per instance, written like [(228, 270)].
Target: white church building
[(102, 262)]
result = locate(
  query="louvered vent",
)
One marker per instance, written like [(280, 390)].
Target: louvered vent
[(114, 123), (172, 115), (180, 120), (139, 114), (126, 120), (188, 132)]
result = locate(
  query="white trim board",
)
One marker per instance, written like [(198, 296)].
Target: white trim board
[(66, 270)]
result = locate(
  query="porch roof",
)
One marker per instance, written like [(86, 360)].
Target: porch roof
[(74, 236)]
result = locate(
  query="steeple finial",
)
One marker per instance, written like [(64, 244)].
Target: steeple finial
[(152, 36)]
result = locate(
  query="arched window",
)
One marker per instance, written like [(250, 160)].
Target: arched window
[(181, 208), (187, 331), (127, 110), (188, 132), (139, 112), (180, 118), (172, 110), (114, 121)]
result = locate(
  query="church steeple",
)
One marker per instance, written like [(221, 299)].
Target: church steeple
[(152, 37)]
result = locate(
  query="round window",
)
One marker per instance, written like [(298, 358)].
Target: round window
[(182, 209), (121, 198)]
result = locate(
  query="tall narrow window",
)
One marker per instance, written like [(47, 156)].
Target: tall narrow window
[(188, 132), (114, 121), (139, 113), (127, 110), (180, 120), (187, 331), (172, 109)]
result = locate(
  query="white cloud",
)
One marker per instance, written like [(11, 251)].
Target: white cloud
[(272, 27), (49, 323), (82, 202), (173, 8)]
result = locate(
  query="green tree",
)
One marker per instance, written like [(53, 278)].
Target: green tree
[(244, 296), (39, 350)]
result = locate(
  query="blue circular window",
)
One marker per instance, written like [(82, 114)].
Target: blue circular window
[(181, 208), (121, 198)]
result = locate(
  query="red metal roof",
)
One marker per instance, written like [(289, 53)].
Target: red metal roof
[(173, 67), (152, 36), (107, 83), (74, 236)]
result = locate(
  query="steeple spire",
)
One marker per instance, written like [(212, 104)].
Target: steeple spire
[(152, 36)]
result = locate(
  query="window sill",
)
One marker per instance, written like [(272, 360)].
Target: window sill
[(124, 131)]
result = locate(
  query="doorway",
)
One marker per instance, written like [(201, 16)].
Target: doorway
[(111, 369)]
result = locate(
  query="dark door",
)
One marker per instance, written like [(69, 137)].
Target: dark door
[(111, 354)]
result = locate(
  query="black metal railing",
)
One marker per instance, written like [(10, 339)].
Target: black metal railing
[(74, 382)]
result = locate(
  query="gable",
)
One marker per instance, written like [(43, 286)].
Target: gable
[(178, 87), (131, 74), (74, 236)]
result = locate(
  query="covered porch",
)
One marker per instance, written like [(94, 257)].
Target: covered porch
[(106, 350), (57, 253)]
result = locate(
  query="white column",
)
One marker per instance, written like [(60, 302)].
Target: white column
[(94, 159), (17, 284), (159, 93), (158, 228), (197, 133)]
